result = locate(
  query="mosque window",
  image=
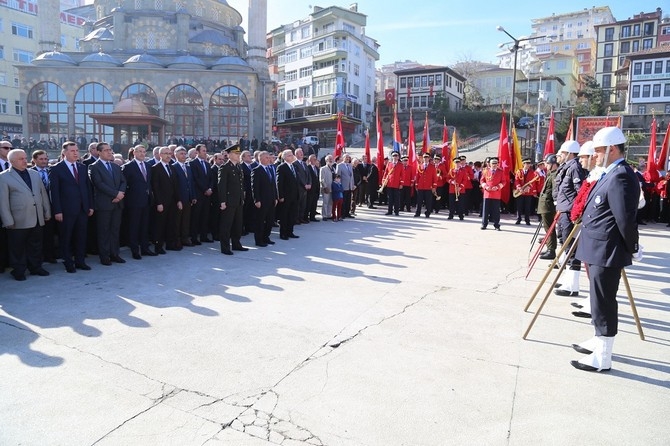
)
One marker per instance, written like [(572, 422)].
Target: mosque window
[(228, 113), (47, 111), (139, 41), (144, 94), (184, 109), (158, 5), (151, 41), (93, 98), (138, 4), (179, 5)]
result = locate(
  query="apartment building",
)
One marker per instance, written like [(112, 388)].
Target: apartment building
[(324, 65), (418, 87), (616, 41), (649, 81), (25, 33)]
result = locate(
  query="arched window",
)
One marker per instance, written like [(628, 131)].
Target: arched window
[(143, 93), (184, 110), (228, 114), (47, 112), (92, 98)]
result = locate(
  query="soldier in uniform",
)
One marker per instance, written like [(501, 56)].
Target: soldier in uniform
[(566, 187), (408, 182), (393, 183), (525, 183), (607, 244), (547, 209), (230, 186)]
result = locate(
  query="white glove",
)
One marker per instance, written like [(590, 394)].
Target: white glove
[(639, 254)]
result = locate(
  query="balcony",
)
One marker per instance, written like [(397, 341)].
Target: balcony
[(326, 71), (329, 53)]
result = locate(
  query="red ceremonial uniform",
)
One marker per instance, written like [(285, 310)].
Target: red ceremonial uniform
[(426, 177), (470, 174), (393, 175), (492, 183), (457, 176), (522, 178), (442, 172), (408, 176)]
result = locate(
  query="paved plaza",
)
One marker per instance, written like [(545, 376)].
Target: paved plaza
[(374, 331)]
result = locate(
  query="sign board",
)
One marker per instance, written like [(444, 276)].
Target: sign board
[(587, 126)]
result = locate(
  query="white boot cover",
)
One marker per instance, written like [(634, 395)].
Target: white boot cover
[(571, 281), (601, 358)]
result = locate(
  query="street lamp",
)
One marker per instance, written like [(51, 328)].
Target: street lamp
[(540, 96), (514, 49)]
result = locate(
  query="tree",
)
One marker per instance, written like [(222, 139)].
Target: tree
[(590, 98), (468, 68)]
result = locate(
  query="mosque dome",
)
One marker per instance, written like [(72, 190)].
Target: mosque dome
[(53, 58), (187, 62), (100, 60), (231, 62), (143, 61)]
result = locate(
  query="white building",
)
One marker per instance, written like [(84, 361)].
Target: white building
[(325, 65)]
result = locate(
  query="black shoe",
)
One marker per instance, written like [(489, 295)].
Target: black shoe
[(262, 245), (148, 253), (82, 266), (269, 242), (397, 214), (372, 207), (388, 213), (106, 261), (497, 228), (417, 215), (51, 260), (527, 223), (587, 368), (18, 276), (283, 237), (579, 349), (197, 243), (173, 248), (39, 272), (482, 228), (576, 305), (451, 217), (566, 293), (227, 252), (240, 248), (137, 256), (518, 222), (461, 218), (548, 255), (293, 236), (70, 269), (583, 314), (206, 240), (313, 219), (118, 259), (160, 251)]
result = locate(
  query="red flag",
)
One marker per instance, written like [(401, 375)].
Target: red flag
[(339, 139), (504, 158), (652, 171), (426, 136), (445, 138), (662, 161), (411, 143), (549, 148), (367, 145), (389, 94), (380, 149)]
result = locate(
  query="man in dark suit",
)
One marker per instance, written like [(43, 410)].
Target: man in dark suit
[(109, 190), (164, 187), (249, 209), (231, 198), (24, 207), (138, 202), (288, 193), (607, 243), (304, 185), (314, 191), (41, 166), (184, 176), (204, 184), (264, 191), (71, 205), (373, 183), (92, 224)]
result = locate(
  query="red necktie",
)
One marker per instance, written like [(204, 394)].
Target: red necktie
[(75, 172)]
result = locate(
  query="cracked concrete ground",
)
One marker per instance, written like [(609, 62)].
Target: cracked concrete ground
[(373, 331)]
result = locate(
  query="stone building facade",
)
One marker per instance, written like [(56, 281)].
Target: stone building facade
[(187, 62)]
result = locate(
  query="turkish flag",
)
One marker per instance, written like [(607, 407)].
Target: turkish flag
[(389, 94)]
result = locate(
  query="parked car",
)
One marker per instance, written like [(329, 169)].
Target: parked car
[(311, 140), (525, 122)]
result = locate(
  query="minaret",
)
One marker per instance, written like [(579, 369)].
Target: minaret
[(49, 25), (257, 24)]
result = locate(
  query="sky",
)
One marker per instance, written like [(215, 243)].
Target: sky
[(443, 32)]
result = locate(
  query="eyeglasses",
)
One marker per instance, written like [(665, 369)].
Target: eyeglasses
[(7, 147)]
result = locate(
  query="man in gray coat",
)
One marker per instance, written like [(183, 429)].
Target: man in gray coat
[(24, 207), (346, 172)]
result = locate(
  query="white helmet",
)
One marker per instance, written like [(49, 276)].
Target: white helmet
[(587, 149), (608, 136), (569, 146)]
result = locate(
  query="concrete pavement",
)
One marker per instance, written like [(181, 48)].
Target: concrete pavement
[(374, 331)]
